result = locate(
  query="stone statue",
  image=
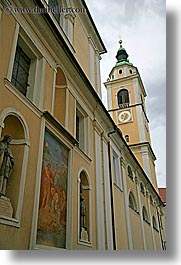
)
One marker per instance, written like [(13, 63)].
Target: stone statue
[(6, 163), (82, 209)]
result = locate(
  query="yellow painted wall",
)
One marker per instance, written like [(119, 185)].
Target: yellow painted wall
[(20, 236), (48, 88), (136, 230), (81, 46), (60, 104), (127, 128), (153, 174), (157, 240), (148, 236), (71, 114), (120, 220), (147, 135), (8, 24), (138, 155)]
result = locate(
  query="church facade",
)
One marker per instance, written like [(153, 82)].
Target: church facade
[(80, 177)]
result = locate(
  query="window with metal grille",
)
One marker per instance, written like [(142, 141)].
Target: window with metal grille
[(123, 98), (77, 127), (21, 70)]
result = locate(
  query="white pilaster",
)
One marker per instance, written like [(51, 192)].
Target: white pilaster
[(107, 195), (141, 217), (99, 194), (129, 231), (13, 51), (151, 223), (146, 161)]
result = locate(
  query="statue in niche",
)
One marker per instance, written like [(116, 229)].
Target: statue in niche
[(82, 209), (6, 163)]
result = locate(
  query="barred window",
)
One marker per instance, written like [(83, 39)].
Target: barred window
[(123, 98), (21, 70)]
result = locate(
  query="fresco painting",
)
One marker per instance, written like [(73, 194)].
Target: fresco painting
[(51, 228)]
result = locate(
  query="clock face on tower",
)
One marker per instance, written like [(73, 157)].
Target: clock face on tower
[(124, 116)]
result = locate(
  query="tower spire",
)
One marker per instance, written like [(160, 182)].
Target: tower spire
[(122, 56)]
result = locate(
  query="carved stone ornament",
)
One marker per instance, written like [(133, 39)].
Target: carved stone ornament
[(84, 235), (6, 208)]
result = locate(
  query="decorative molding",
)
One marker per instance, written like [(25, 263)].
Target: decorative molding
[(22, 98)]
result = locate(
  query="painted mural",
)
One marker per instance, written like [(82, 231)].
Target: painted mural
[(51, 229)]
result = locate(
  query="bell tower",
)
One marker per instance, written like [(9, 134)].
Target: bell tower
[(126, 104)]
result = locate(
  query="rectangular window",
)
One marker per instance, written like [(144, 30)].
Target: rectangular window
[(116, 169), (28, 68), (21, 70), (80, 129), (77, 127)]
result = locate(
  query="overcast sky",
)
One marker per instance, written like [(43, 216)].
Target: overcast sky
[(141, 24)]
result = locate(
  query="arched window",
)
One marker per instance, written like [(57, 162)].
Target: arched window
[(151, 199), (132, 202), (145, 214), (123, 98), (84, 207), (142, 188), (154, 223), (130, 172)]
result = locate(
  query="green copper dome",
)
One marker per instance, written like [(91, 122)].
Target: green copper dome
[(122, 56)]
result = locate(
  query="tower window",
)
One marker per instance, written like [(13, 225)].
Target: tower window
[(120, 71), (80, 129), (117, 170), (123, 98), (127, 138), (130, 71)]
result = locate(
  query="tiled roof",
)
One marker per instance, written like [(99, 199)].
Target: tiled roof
[(162, 192)]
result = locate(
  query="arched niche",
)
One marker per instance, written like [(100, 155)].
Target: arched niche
[(13, 123), (84, 189), (60, 96)]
